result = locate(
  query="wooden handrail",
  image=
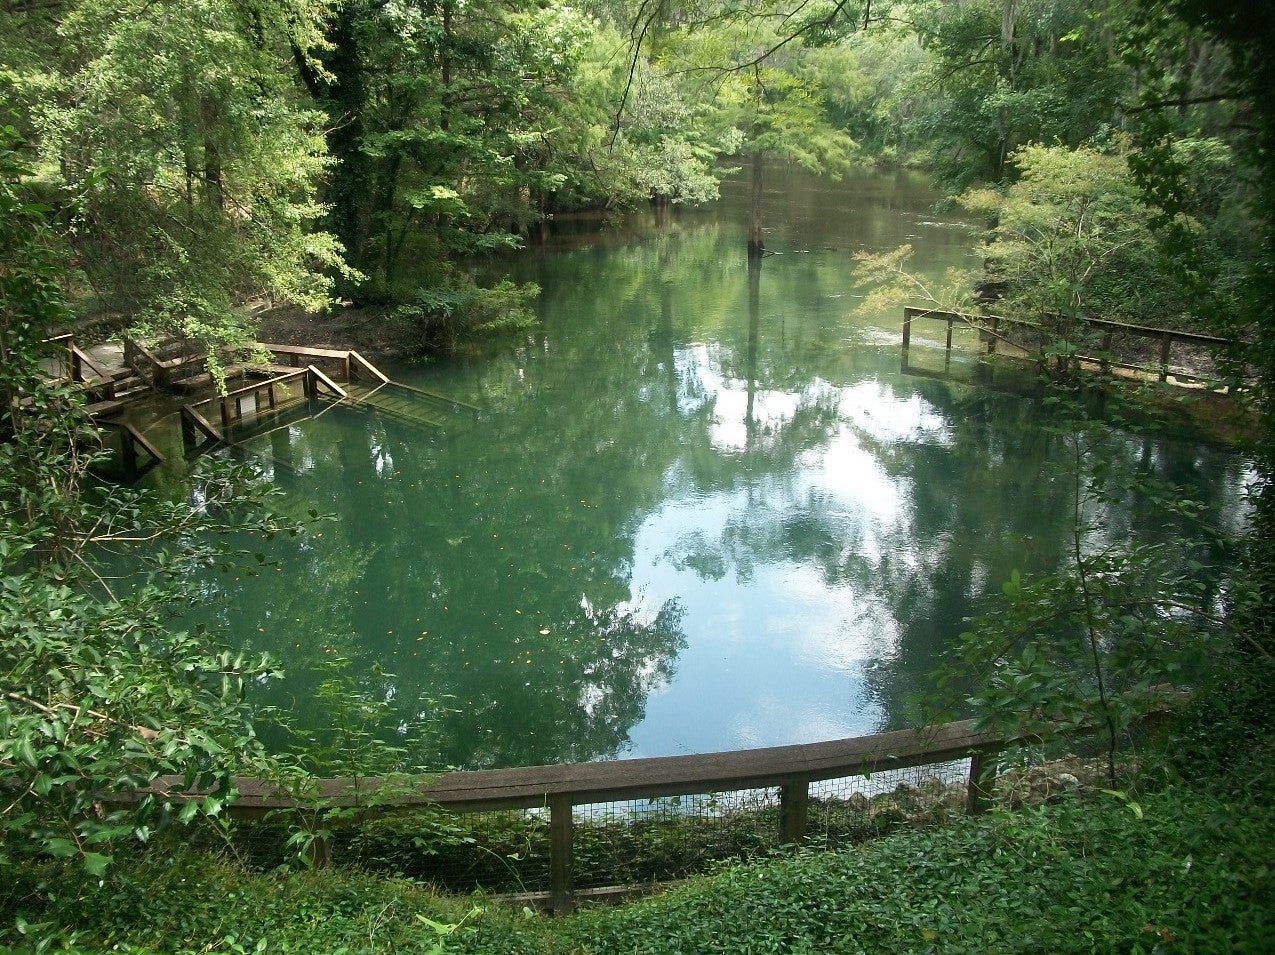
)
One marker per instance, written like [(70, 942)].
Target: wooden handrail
[(327, 382), (365, 365), (563, 786), (257, 386), (1145, 331), (529, 787), (192, 419), (990, 324), (304, 351)]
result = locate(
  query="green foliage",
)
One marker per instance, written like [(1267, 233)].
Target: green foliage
[(1086, 645), (98, 697), (443, 119), (1071, 238), (1084, 875), (436, 318), (890, 285), (186, 164), (1001, 75)]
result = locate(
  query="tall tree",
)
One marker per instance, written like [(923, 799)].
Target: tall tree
[(191, 161), (755, 62), (441, 119), (1006, 73)]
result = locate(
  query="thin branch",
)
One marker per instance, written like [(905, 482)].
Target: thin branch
[(1185, 101)]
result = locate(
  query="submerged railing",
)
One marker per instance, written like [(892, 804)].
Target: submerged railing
[(993, 332), (215, 418)]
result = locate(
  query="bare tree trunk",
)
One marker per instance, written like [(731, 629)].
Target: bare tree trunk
[(755, 246)]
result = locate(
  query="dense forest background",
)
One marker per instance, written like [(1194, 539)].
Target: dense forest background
[(212, 158)]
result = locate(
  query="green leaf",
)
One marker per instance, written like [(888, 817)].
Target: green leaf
[(96, 864)]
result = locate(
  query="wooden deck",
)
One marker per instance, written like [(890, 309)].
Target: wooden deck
[(299, 376)]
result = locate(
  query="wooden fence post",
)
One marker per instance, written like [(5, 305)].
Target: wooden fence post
[(907, 338), (1165, 343), (128, 451), (560, 833), (794, 805), (982, 781)]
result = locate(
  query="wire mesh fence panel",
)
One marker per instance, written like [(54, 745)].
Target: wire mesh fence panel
[(498, 852), (850, 809), (653, 840)]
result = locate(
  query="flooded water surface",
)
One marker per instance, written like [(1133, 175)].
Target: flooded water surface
[(698, 509)]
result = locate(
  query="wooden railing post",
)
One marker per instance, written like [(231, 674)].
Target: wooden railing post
[(1166, 342), (128, 451), (907, 338), (560, 836), (794, 805), (982, 782)]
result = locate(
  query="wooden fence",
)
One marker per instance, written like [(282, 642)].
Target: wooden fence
[(993, 331), (353, 365), (563, 787), (251, 400)]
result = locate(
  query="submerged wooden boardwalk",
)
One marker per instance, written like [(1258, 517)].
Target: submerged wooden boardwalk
[(1134, 351), (297, 379)]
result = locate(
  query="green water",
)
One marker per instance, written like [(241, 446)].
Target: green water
[(696, 511)]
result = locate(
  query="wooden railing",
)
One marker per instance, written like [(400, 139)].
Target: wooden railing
[(234, 406), (137, 454), (353, 365), (562, 787), (993, 330)]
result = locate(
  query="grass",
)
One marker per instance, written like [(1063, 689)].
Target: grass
[(1182, 870)]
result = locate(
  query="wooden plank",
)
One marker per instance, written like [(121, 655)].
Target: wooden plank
[(581, 783), (101, 409), (303, 351), (140, 440), (534, 786), (561, 830), (193, 417), (356, 358), (288, 375), (452, 403), (84, 360), (982, 781), (794, 804), (327, 382), (1143, 331)]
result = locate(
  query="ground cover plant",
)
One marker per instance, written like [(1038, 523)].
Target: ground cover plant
[(1186, 867)]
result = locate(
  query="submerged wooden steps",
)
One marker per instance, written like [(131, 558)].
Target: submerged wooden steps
[(300, 380)]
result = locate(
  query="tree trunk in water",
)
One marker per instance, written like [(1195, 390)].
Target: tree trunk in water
[(755, 246)]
